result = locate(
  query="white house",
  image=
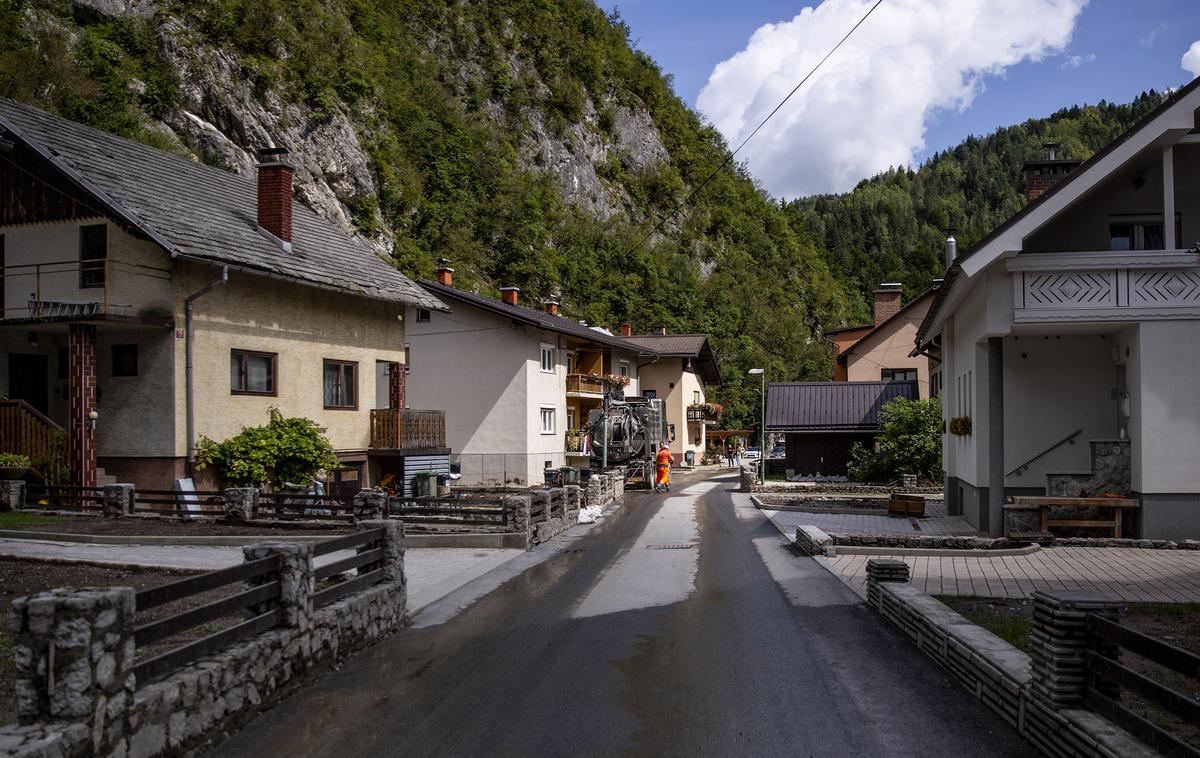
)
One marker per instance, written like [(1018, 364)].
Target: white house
[(1078, 321), (516, 383)]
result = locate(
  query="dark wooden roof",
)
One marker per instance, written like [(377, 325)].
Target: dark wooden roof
[(196, 211), (831, 406), (694, 346)]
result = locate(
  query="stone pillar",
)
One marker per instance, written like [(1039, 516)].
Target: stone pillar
[(81, 383), (116, 500), (12, 494), (618, 484), (393, 549), (296, 579), (396, 384), (241, 503), (516, 509), (883, 570), (74, 655), (573, 497), (1059, 642), (370, 505)]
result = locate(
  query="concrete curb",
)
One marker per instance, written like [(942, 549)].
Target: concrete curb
[(133, 568), (481, 540), (948, 553)]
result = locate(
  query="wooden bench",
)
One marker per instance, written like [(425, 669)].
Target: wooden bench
[(1110, 509), (905, 506)]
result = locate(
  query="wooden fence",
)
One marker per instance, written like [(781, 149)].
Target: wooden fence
[(261, 602), (368, 561), (26, 431), (174, 503), (63, 497), (1107, 678), (290, 506), (433, 512)]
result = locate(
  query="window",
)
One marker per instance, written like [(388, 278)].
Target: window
[(624, 368), (339, 380), (899, 374), (407, 358), (650, 394), (548, 359), (570, 363), (93, 249), (547, 421), (423, 315), (124, 360), (1140, 233), (251, 373), (695, 397), (2, 265)]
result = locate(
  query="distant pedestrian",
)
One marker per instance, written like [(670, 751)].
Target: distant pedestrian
[(729, 454), (663, 463)]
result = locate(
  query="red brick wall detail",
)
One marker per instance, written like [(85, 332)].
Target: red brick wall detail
[(275, 199), (396, 398), (81, 372)]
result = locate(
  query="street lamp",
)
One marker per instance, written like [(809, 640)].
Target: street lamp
[(762, 429)]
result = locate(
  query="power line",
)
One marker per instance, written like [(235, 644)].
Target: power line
[(691, 196)]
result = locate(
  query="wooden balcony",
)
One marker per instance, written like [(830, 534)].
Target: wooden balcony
[(702, 416), (583, 384), (1105, 286), (406, 430)]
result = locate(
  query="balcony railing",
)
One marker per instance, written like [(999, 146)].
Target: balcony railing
[(64, 290), (1105, 286), (584, 384), (703, 416), (396, 429)]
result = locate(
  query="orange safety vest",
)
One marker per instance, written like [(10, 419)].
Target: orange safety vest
[(664, 458)]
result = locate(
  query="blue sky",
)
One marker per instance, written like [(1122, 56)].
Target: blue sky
[(1121, 47)]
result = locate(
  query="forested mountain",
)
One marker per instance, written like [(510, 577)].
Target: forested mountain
[(892, 227), (530, 143)]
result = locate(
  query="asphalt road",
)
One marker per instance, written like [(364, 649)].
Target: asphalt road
[(684, 625)]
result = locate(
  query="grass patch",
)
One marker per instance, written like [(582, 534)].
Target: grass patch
[(10, 519), (1009, 620)]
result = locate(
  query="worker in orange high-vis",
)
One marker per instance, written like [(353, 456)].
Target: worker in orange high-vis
[(664, 461)]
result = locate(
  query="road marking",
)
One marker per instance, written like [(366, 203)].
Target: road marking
[(645, 578)]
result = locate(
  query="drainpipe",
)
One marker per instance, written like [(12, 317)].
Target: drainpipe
[(189, 384)]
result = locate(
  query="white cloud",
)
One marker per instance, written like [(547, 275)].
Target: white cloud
[(867, 107), (1075, 61), (1191, 59), (1152, 35)]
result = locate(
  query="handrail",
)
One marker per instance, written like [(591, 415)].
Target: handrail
[(18, 402), (1024, 466)]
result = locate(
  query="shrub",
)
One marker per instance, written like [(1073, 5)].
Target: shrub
[(909, 442), (285, 450), (14, 460)]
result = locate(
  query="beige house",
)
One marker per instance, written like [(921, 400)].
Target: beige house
[(516, 383), (882, 351), (150, 301), (682, 368), (1077, 321)]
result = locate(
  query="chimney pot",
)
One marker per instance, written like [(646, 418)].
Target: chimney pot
[(275, 174), (887, 301), (509, 294), (551, 306), (659, 330), (626, 330), (951, 250)]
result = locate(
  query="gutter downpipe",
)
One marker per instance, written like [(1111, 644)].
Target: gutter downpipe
[(189, 350)]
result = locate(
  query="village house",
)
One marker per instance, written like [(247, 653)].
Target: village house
[(150, 300), (872, 364), (1070, 338), (681, 370), (516, 383)]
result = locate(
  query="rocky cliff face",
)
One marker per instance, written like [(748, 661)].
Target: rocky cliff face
[(222, 118)]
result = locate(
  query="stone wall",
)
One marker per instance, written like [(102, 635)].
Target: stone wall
[(92, 704), (998, 675)]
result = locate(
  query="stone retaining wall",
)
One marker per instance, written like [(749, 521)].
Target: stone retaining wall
[(998, 675), (83, 699), (1123, 542), (925, 542)]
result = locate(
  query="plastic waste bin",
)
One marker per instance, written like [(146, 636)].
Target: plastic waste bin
[(689, 457), (425, 484), (570, 475), (552, 476)]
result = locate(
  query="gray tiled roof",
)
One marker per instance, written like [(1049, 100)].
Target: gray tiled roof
[(683, 346), (831, 406), (198, 211), (533, 317)]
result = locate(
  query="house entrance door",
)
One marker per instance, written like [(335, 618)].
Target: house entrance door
[(29, 379)]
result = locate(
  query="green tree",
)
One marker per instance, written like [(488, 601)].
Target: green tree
[(285, 450), (909, 442)]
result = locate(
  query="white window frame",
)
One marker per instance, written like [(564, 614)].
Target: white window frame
[(548, 412), (547, 351), (623, 368)]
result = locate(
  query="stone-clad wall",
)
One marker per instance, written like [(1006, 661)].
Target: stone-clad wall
[(999, 676), (92, 704)]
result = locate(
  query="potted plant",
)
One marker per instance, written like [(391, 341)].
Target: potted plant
[(13, 465)]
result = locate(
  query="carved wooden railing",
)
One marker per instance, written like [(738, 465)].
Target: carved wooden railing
[(24, 430), (593, 385), (405, 429)]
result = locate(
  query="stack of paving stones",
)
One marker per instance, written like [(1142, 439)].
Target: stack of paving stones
[(883, 570), (811, 540), (1059, 644)]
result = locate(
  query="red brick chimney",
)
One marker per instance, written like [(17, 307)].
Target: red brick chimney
[(1044, 174), (445, 274), (275, 192), (509, 294), (887, 301), (626, 330), (551, 306)]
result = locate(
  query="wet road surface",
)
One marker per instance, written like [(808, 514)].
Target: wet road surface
[(682, 625)]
